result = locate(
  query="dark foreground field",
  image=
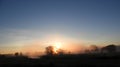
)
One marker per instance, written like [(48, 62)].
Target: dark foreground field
[(82, 60)]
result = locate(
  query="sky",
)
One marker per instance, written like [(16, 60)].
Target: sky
[(31, 25)]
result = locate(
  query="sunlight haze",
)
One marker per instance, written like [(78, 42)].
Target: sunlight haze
[(30, 26)]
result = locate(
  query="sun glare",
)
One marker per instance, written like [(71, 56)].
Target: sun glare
[(57, 46)]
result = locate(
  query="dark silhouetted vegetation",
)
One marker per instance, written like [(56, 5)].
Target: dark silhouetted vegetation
[(108, 59), (50, 50), (109, 48)]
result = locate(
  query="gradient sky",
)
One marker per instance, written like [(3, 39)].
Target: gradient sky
[(37, 23)]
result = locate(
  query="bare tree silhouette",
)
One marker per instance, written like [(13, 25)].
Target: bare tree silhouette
[(50, 50)]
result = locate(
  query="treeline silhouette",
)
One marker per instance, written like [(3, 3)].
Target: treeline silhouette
[(107, 56)]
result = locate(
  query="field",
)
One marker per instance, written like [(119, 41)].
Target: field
[(79, 60)]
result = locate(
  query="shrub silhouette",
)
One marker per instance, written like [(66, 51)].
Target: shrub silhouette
[(109, 48)]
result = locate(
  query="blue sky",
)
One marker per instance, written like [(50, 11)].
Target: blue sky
[(92, 21)]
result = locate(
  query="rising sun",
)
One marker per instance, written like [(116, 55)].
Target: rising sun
[(57, 46)]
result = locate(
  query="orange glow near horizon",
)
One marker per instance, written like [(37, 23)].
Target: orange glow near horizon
[(57, 41)]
